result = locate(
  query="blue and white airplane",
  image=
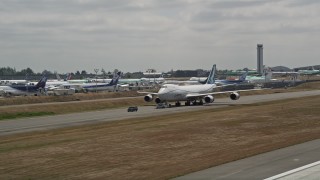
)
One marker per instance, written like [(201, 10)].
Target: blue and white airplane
[(111, 86), (242, 79), (24, 89)]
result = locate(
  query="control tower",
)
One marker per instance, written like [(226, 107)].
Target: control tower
[(260, 58)]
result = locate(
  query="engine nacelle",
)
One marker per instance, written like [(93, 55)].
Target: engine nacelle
[(148, 98), (234, 96), (208, 99), (158, 100)]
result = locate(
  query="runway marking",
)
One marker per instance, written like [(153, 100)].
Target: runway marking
[(293, 171), (230, 174)]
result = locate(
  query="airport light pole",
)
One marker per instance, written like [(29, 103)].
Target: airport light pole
[(96, 70)]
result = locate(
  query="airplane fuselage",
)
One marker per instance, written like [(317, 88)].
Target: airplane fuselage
[(170, 92), (98, 87), (309, 72), (18, 90)]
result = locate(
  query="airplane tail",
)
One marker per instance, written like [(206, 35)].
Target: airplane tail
[(115, 78), (243, 76), (211, 76), (57, 76), (68, 77), (268, 75), (42, 82)]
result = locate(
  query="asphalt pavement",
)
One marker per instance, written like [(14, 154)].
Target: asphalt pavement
[(266, 165)]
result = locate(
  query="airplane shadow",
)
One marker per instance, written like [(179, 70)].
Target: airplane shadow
[(225, 104), (212, 104)]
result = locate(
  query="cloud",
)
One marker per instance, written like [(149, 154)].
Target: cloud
[(165, 33), (257, 17)]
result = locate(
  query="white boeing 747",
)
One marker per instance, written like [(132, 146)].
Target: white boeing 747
[(191, 94)]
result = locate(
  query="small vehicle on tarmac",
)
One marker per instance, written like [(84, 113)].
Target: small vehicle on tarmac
[(132, 109)]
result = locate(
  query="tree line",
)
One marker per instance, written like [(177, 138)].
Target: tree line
[(28, 73), (8, 71)]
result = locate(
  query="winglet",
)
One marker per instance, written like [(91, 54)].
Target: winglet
[(211, 76)]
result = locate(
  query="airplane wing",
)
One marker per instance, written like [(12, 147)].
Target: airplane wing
[(220, 92), (153, 94)]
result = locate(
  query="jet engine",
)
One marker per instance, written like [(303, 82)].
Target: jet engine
[(208, 99), (148, 98), (234, 96), (158, 100)]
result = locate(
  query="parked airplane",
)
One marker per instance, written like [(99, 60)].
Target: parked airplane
[(190, 93), (91, 87), (229, 73), (309, 72), (199, 79), (187, 82), (55, 83), (242, 79), (77, 81), (11, 82), (24, 89), (59, 79), (260, 79), (203, 80), (158, 80), (61, 90)]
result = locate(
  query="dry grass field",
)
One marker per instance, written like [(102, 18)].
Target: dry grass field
[(75, 97), (68, 107), (160, 147)]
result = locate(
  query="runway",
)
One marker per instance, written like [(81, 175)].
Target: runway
[(58, 121), (266, 165)]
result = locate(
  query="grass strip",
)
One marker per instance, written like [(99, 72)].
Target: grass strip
[(23, 114)]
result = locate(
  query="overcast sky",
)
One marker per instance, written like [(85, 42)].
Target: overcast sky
[(134, 35)]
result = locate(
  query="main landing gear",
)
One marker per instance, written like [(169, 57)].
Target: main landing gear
[(177, 104), (194, 103), (188, 103)]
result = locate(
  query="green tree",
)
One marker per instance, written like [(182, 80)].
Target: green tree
[(24, 72), (46, 72), (7, 71), (104, 73), (83, 72)]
